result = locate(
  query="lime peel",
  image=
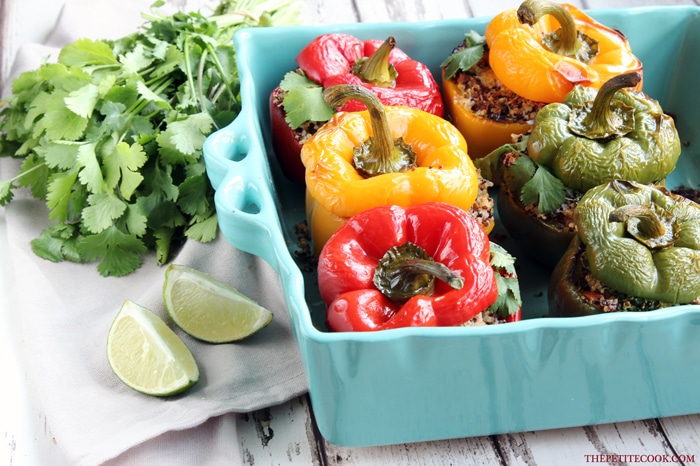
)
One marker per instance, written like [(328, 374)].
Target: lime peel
[(208, 309), (146, 355)]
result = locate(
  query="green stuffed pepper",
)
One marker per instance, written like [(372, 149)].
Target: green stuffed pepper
[(591, 138), (637, 248)]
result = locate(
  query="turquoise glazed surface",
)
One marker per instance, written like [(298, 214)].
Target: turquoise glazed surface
[(419, 384)]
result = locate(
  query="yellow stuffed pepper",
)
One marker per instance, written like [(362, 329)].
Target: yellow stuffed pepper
[(385, 155)]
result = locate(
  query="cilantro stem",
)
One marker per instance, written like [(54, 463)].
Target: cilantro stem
[(227, 19), (160, 85), (190, 78), (209, 53), (216, 92), (26, 172), (220, 69), (200, 75)]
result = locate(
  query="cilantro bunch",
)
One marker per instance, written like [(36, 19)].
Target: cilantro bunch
[(111, 134)]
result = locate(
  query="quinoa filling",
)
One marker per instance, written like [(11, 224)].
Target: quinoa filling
[(484, 95), (592, 291), (483, 208)]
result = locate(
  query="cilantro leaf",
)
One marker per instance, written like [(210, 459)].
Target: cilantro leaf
[(520, 172), (82, 101), (203, 230), (84, 52), (135, 221), (120, 252), (182, 140), (136, 59), (102, 210), (59, 194), (60, 154), (90, 170), (48, 246), (56, 243), (303, 100), (34, 174), (467, 56), (59, 121), (508, 300), (193, 199), (6, 193), (543, 189), (121, 167)]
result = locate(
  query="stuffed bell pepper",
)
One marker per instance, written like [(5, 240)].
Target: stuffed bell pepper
[(430, 264), (637, 248), (386, 155), (495, 84), (591, 138), (297, 108)]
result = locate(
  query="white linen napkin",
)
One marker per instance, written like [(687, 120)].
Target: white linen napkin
[(66, 310)]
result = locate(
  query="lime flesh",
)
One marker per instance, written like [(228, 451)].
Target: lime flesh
[(147, 355), (208, 309)]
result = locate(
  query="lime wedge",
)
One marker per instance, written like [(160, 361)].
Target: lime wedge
[(208, 309), (147, 355)]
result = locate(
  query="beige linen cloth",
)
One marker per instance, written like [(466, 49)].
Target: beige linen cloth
[(66, 309)]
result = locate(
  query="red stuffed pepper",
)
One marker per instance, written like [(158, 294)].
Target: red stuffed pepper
[(297, 108), (425, 265)]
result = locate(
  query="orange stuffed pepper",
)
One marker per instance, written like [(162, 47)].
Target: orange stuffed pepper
[(495, 84)]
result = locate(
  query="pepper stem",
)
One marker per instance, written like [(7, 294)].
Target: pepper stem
[(652, 225), (531, 11), (407, 270), (376, 68), (606, 117), (380, 153)]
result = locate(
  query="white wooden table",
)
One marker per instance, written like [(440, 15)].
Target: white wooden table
[(287, 434)]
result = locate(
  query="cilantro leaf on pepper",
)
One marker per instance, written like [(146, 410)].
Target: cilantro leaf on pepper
[(509, 300), (303, 100), (465, 57), (539, 185)]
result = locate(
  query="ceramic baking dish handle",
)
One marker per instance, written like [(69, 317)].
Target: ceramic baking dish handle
[(245, 205)]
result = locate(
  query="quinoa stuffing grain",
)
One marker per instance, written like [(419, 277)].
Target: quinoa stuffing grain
[(485, 95)]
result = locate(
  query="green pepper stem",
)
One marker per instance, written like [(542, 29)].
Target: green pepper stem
[(650, 224), (407, 270), (603, 121), (380, 154), (531, 11), (646, 224), (376, 68), (436, 269)]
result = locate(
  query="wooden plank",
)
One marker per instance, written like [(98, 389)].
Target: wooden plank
[(475, 451), (493, 7), (411, 10), (285, 431), (683, 433), (635, 3), (581, 445), (319, 12)]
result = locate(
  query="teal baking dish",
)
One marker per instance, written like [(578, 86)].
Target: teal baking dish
[(409, 385)]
